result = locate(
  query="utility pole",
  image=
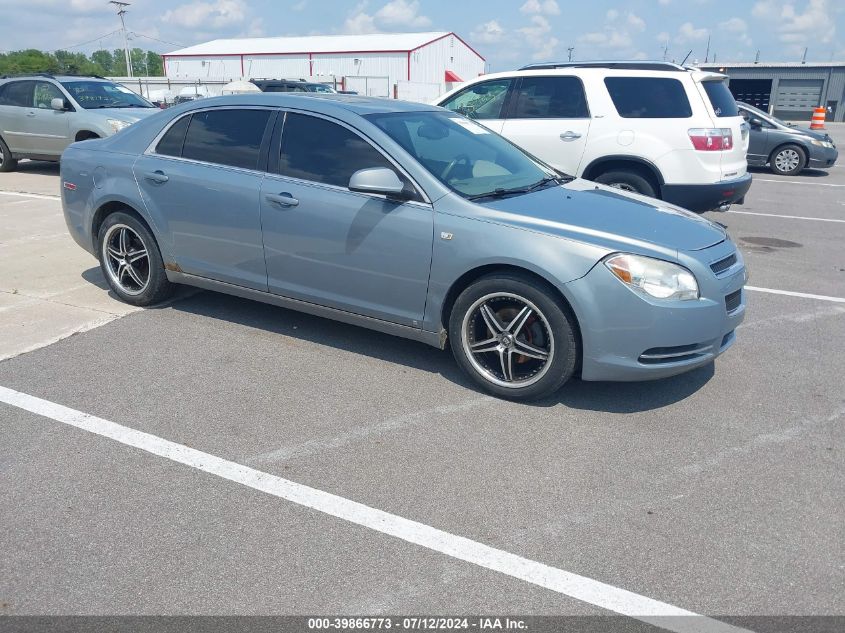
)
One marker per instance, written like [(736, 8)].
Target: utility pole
[(121, 11), (666, 51), (570, 49), (804, 56), (707, 54)]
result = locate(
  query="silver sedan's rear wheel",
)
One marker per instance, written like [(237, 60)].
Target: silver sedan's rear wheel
[(130, 260), (513, 336), (127, 259)]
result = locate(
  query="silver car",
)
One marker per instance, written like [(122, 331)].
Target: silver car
[(40, 115), (411, 220)]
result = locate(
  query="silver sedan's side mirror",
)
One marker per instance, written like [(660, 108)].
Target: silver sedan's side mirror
[(377, 180), (58, 104)]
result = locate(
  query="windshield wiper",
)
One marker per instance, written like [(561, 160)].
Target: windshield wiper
[(498, 193)]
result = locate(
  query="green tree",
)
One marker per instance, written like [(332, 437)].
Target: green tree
[(119, 63), (155, 64), (104, 60), (28, 61)]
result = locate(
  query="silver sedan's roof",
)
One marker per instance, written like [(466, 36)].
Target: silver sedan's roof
[(316, 102)]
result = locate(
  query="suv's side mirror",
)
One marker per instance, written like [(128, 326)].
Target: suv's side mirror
[(377, 180), (58, 104)]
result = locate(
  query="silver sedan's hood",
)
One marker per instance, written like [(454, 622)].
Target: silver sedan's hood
[(585, 208)]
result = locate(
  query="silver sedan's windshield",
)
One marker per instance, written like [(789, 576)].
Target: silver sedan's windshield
[(103, 94), (463, 154)]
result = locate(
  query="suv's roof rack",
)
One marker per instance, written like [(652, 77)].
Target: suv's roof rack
[(51, 75), (616, 65)]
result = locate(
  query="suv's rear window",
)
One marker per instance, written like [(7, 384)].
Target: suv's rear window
[(648, 97), (720, 98)]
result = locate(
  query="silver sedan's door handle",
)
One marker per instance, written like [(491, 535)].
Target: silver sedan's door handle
[(569, 135), (157, 176), (30, 114), (282, 199)]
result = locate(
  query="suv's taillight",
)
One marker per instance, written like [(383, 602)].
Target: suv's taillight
[(713, 139)]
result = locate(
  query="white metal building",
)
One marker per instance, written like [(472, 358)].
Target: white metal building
[(382, 64)]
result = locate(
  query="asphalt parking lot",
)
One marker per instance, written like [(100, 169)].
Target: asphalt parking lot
[(718, 492)]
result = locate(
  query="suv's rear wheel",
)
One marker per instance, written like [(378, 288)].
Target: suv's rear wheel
[(513, 338), (130, 260), (627, 181), (788, 160), (7, 163)]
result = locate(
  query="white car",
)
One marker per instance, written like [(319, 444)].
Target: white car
[(656, 128)]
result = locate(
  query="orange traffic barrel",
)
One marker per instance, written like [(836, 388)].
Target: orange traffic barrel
[(818, 119)]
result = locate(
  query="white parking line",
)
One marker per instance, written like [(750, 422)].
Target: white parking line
[(794, 182), (791, 217), (803, 295), (579, 587), (22, 194)]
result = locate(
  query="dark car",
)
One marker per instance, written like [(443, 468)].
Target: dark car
[(291, 85), (784, 147)]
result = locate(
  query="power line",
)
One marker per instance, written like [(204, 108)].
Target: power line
[(150, 37), (65, 48)]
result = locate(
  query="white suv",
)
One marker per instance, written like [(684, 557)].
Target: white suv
[(656, 128)]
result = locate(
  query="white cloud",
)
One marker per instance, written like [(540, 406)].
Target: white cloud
[(396, 14), (359, 22), (215, 15), (537, 37), (814, 25), (664, 2), (738, 29), (546, 7), (488, 33), (689, 33), (617, 32), (402, 13), (300, 6)]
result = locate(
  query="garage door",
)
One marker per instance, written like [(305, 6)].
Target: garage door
[(796, 98)]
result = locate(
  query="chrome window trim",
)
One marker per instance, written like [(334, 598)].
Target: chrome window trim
[(426, 199)]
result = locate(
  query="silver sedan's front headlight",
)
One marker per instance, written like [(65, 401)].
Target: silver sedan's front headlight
[(653, 277)]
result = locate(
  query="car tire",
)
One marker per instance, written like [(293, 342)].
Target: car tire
[(627, 181), (131, 261), (501, 315), (788, 160), (7, 163)]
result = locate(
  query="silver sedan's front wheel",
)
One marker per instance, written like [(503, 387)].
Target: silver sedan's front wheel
[(514, 336), (508, 339)]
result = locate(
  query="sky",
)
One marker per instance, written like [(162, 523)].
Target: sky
[(508, 33)]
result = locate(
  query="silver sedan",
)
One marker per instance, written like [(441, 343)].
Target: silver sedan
[(411, 220)]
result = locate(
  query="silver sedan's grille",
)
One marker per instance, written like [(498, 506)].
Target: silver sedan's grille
[(723, 264), (733, 300)]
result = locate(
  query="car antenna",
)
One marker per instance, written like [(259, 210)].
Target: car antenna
[(687, 57)]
